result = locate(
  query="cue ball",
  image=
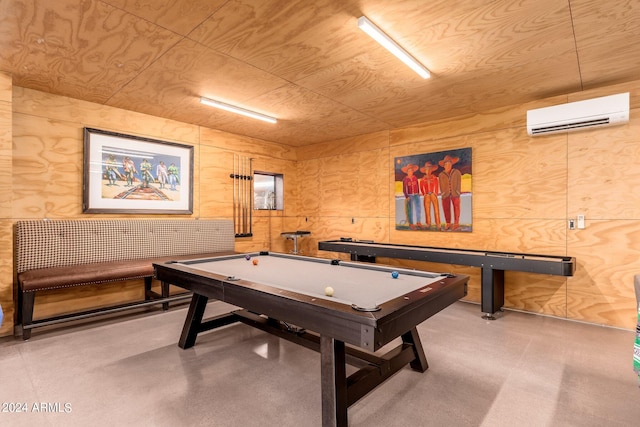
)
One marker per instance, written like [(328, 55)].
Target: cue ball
[(395, 274), (255, 262), (247, 257), (328, 291)]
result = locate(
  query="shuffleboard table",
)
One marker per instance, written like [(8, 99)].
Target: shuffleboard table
[(492, 263), (285, 295)]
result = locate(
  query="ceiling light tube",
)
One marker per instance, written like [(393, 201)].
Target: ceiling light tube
[(237, 110), (387, 42)]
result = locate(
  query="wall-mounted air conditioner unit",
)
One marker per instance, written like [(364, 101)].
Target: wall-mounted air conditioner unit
[(605, 111)]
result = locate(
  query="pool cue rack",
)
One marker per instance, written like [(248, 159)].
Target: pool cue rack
[(242, 196)]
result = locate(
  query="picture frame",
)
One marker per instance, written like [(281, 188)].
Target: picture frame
[(125, 174), (433, 191)]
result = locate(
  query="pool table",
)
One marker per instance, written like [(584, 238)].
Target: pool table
[(285, 295)]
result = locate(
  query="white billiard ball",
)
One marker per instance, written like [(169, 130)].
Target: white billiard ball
[(328, 291)]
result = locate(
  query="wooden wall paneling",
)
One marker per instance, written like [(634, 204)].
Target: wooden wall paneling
[(331, 228), (275, 225), (513, 116), (608, 254), (6, 191), (83, 113), (245, 145), (309, 176), (51, 303), (262, 230), (6, 151), (336, 175), (215, 184), (7, 295), (603, 172), (371, 187), (47, 168), (368, 142), (515, 176), (540, 236), (6, 88), (536, 293)]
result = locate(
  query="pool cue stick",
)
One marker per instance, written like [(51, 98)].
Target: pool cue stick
[(251, 195), (244, 225), (235, 198), (237, 195), (246, 195)]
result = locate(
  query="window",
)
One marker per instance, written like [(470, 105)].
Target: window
[(268, 191)]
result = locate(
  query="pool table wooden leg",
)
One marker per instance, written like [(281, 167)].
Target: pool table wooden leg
[(193, 321), (420, 362), (333, 381)]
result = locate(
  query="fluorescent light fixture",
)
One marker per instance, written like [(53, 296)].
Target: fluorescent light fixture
[(237, 110), (387, 42)]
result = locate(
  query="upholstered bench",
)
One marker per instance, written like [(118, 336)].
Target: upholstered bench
[(58, 254)]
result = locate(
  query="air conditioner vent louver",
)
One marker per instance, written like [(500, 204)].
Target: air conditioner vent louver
[(605, 111), (570, 126)]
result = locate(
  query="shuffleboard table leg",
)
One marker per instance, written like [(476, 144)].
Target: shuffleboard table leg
[(334, 382), (193, 321), (420, 362), (492, 291)]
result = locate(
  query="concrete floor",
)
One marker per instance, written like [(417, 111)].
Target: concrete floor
[(520, 370)]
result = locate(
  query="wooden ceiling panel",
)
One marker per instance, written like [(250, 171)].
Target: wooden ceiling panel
[(85, 50), (178, 16), (308, 64), (607, 40), (190, 71), (291, 39)]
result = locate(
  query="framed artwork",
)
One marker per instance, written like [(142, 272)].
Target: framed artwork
[(135, 175), (433, 191)]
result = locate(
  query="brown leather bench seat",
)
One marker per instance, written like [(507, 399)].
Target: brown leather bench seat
[(90, 274)]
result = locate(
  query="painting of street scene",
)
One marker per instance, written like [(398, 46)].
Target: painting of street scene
[(433, 191)]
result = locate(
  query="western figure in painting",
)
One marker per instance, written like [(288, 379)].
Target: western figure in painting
[(450, 185), (411, 189), (430, 188), (129, 170), (162, 173), (111, 169), (145, 171), (173, 176)]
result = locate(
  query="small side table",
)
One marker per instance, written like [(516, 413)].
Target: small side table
[(294, 235)]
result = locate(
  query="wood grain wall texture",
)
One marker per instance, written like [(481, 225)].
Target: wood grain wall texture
[(6, 250)]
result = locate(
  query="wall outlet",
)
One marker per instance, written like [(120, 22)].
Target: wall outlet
[(580, 222), (572, 224)]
